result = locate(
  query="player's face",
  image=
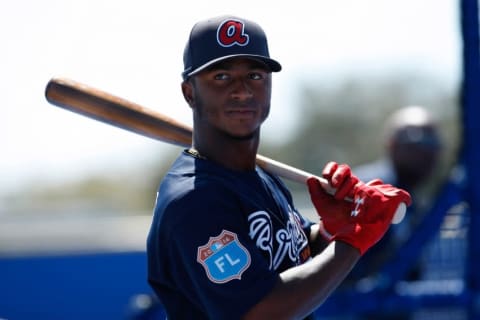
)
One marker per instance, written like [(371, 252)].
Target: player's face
[(232, 97)]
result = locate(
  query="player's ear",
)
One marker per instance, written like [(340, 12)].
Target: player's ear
[(187, 90)]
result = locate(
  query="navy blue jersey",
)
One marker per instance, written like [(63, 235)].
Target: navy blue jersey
[(219, 238)]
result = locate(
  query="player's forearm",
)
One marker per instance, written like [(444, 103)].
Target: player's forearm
[(316, 242), (304, 288)]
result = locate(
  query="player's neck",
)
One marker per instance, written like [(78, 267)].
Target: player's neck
[(238, 155)]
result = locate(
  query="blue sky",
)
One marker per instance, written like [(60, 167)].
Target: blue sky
[(134, 49)]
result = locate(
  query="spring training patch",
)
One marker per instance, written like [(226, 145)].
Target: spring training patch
[(223, 257)]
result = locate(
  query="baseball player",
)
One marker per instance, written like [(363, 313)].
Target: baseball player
[(226, 241)]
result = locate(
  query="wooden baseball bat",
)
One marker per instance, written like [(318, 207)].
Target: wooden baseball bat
[(105, 107)]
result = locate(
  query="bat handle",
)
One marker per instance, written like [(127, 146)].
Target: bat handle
[(301, 176)]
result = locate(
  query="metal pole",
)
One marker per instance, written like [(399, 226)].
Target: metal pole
[(470, 151)]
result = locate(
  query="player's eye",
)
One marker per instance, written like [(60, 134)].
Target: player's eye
[(256, 76), (221, 76)]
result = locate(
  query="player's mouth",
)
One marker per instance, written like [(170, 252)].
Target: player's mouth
[(241, 113)]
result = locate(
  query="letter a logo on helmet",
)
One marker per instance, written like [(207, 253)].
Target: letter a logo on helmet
[(232, 32)]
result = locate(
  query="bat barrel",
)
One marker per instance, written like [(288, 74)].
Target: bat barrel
[(104, 107)]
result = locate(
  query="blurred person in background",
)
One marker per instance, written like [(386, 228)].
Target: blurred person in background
[(413, 147)]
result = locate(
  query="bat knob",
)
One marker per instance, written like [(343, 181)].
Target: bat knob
[(399, 213)]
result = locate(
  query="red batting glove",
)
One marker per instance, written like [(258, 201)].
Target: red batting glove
[(340, 177), (374, 206), (360, 223), (332, 209)]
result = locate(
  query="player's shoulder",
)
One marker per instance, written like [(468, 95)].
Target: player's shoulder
[(181, 193)]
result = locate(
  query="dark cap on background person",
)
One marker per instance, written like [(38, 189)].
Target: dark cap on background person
[(224, 37)]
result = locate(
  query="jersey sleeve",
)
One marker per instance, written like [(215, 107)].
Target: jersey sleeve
[(214, 261)]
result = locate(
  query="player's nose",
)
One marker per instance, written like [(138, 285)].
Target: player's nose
[(241, 89)]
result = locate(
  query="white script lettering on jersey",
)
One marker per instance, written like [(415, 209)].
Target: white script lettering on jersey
[(289, 241)]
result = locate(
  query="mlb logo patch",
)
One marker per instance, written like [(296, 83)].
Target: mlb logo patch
[(223, 257)]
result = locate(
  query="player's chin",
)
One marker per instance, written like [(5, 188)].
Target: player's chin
[(243, 126), (243, 133)]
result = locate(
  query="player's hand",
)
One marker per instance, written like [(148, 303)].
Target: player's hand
[(334, 212), (372, 212), (340, 177), (360, 223)]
